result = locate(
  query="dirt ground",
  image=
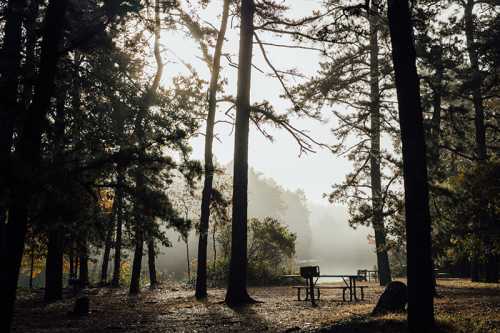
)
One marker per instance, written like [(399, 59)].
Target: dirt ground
[(461, 307)]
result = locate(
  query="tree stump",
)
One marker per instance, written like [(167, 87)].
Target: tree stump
[(82, 307), (393, 299)]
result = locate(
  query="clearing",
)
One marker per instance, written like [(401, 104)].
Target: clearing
[(462, 307)]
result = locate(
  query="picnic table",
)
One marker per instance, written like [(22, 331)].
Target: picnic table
[(372, 274), (312, 288), (368, 275)]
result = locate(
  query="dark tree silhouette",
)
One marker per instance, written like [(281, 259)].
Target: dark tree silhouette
[(55, 248), (481, 153), (107, 246), (384, 270), (418, 223), (115, 281), (54, 265), (153, 280), (238, 266), (140, 180), (201, 274), (28, 155), (10, 63)]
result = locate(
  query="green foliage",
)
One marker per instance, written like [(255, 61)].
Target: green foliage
[(463, 200), (271, 248)]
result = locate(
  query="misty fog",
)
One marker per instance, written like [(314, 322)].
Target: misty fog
[(324, 236)]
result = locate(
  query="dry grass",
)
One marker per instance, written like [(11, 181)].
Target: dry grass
[(462, 307)]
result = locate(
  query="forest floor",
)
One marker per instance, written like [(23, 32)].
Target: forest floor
[(461, 307)]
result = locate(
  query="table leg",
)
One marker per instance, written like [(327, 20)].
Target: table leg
[(311, 291), (350, 289), (354, 283)]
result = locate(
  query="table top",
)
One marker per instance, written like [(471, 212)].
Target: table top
[(328, 275), (341, 275)]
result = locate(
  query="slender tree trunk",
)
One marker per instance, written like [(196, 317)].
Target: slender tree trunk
[(140, 178), (214, 248), (71, 263), (3, 227), (29, 68), (77, 267), (384, 270), (55, 253), (477, 98), (32, 266), (107, 247), (188, 259), (435, 134), (437, 93), (115, 282), (153, 280), (84, 263), (54, 265), (28, 155), (483, 227), (135, 279), (10, 62), (201, 275), (238, 265), (418, 221)]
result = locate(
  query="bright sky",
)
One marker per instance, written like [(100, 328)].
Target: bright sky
[(314, 173)]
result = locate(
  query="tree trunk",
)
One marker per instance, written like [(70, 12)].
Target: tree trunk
[(84, 263), (71, 263), (201, 275), (10, 63), (135, 278), (28, 155), (418, 222), (384, 270), (77, 267), (107, 247), (115, 282), (54, 265), (492, 268), (140, 179), (3, 227), (214, 248), (32, 266), (188, 259), (153, 280), (437, 92), (30, 63), (237, 283), (55, 253), (435, 133), (483, 227)]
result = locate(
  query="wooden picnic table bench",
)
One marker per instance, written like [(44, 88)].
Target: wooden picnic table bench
[(318, 288), (311, 274)]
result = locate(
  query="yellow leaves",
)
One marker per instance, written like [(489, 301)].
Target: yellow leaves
[(38, 265), (106, 199)]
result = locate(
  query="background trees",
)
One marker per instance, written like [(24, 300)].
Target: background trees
[(356, 74)]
